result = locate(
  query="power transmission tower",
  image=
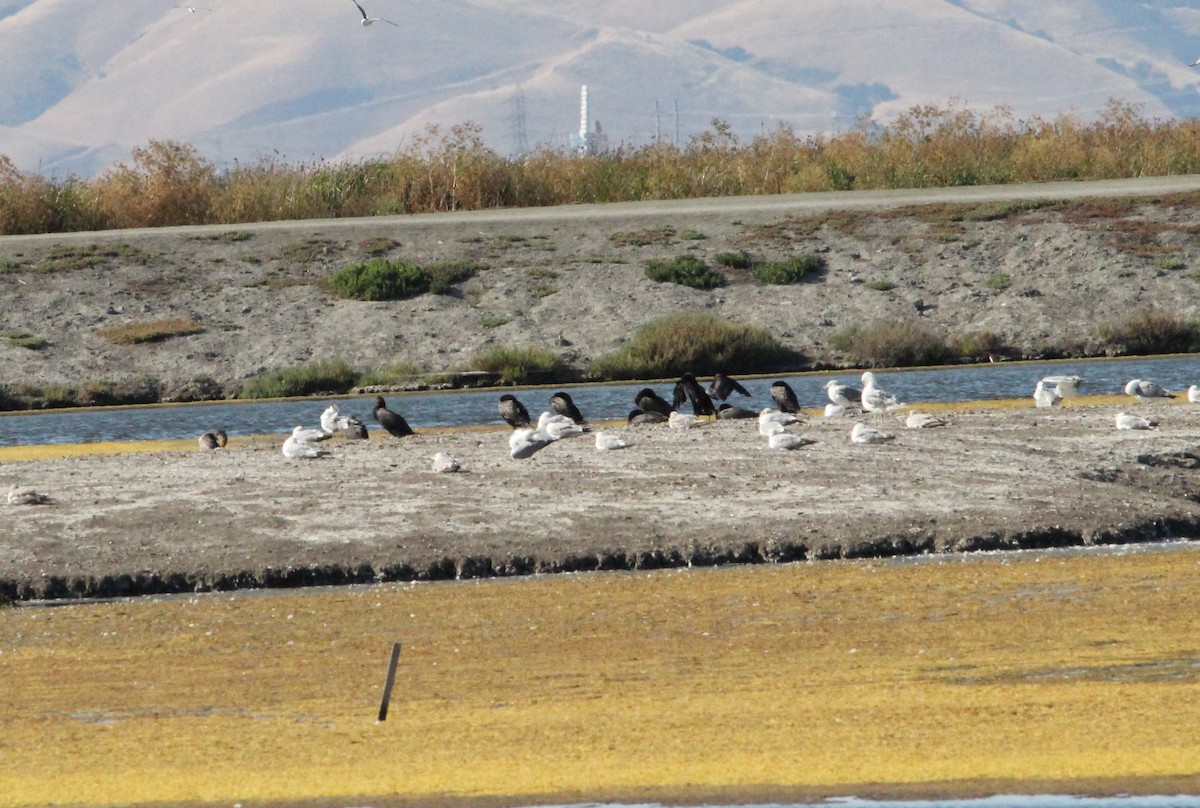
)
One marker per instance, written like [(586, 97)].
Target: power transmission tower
[(520, 143)]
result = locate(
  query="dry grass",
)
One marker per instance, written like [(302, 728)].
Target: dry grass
[(150, 331), (827, 678), (928, 146)]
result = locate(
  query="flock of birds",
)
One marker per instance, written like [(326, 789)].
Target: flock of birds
[(563, 419)]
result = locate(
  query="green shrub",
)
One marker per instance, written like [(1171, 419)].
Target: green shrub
[(734, 260), (974, 344), (695, 342), (23, 339), (379, 279), (313, 378), (520, 365), (400, 373), (151, 331), (1149, 331), (790, 270), (444, 274), (880, 285), (892, 343), (998, 281), (686, 270)]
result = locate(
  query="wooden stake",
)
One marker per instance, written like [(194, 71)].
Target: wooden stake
[(391, 680)]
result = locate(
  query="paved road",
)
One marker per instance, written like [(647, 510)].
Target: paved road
[(784, 203)]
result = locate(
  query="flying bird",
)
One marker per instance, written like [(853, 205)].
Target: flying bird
[(562, 404), (784, 397), (513, 412), (687, 388), (369, 20), (1193, 64), (649, 401), (1144, 390), (722, 387), (392, 422)]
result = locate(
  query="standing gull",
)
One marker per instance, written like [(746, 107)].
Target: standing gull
[(369, 20), (876, 400), (392, 422), (842, 394)]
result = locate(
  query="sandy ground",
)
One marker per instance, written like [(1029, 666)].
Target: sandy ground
[(247, 516)]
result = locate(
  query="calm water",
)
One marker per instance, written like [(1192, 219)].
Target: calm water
[(597, 402)]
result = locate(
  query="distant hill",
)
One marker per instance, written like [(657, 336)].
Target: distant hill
[(82, 84)]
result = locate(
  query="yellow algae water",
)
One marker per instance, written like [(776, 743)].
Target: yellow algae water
[(818, 678)]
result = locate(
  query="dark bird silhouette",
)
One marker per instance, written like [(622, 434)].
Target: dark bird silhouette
[(209, 441), (728, 411), (784, 397), (513, 412), (641, 417), (687, 388), (392, 422), (649, 401), (562, 404), (723, 387), (222, 438)]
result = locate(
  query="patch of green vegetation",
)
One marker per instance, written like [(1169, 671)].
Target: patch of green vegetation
[(892, 343), (444, 274), (544, 290), (379, 279), (978, 344), (23, 339), (1150, 331), (230, 236), (998, 281), (10, 265), (880, 285), (686, 270), (521, 365), (643, 238), (308, 251), (493, 321), (692, 235), (789, 270), (398, 374), (150, 331), (1170, 263), (63, 258), (734, 260), (310, 379), (377, 246), (695, 342)]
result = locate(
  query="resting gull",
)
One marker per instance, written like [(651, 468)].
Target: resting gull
[(607, 442), (1043, 396), (768, 416), (1064, 386), (679, 420), (868, 434), (445, 464), (295, 448), (924, 420), (1144, 390), (1194, 394), (838, 411), (335, 423), (556, 427), (26, 496), (1126, 421), (525, 442)]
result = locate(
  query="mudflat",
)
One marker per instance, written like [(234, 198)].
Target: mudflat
[(997, 477)]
